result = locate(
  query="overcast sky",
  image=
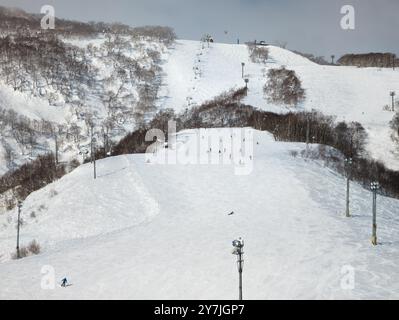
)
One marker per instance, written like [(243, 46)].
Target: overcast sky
[(307, 25)]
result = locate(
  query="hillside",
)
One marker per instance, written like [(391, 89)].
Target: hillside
[(116, 82), (198, 73), (108, 83), (142, 224)]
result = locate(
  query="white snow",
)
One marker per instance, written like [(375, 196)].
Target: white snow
[(145, 230), (162, 231), (31, 107), (196, 73)]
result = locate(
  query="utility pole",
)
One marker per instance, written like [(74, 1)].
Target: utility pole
[(392, 94), (93, 156), (92, 150), (106, 147), (238, 251), (56, 148), (18, 226), (307, 135), (348, 162), (374, 186), (242, 69), (91, 143)]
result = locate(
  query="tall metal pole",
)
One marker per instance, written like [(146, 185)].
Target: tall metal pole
[(307, 135), (242, 69), (374, 231), (393, 100), (238, 251), (94, 160), (240, 267), (93, 151), (348, 162), (56, 148), (91, 143), (18, 224), (374, 187), (95, 169)]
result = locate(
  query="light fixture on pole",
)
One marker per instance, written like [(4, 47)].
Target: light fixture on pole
[(246, 85), (348, 163), (18, 226), (238, 251), (374, 186), (242, 69)]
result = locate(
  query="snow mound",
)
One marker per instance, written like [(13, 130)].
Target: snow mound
[(77, 206)]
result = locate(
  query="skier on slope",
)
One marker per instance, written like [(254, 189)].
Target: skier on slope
[(64, 282)]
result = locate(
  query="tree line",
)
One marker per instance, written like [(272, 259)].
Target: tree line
[(313, 127)]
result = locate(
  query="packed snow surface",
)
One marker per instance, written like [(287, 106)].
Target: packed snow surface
[(151, 230), (196, 73)]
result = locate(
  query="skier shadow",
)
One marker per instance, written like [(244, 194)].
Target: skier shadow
[(388, 243)]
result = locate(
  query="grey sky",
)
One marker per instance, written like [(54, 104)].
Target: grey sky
[(307, 25)]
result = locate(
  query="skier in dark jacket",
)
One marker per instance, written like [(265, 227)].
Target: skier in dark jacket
[(64, 282)]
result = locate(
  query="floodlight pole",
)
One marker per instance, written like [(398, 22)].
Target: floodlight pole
[(246, 80), (94, 161), (242, 69), (93, 151), (393, 93), (56, 148), (374, 187), (349, 163), (18, 226), (240, 268), (238, 251)]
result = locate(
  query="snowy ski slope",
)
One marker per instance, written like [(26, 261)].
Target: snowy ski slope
[(196, 73), (144, 230)]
